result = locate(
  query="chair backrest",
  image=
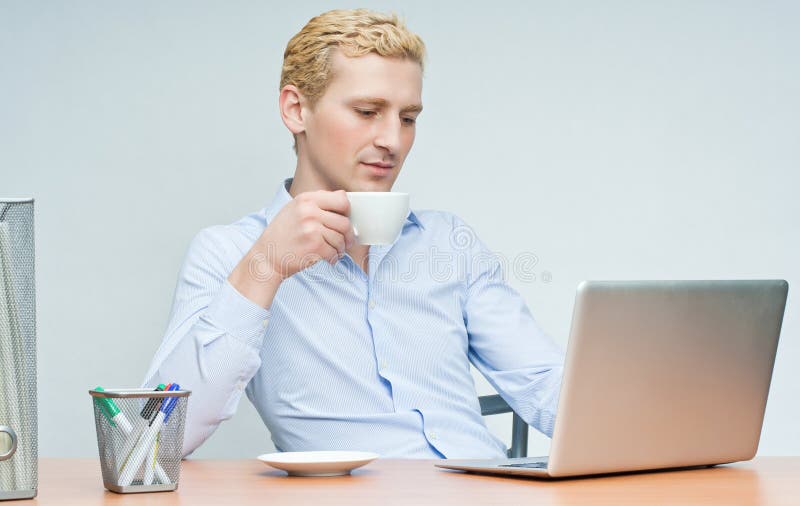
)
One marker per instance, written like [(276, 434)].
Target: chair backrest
[(494, 405)]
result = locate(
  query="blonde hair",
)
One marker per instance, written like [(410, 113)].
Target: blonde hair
[(356, 32)]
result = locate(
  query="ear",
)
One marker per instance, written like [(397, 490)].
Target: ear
[(291, 104)]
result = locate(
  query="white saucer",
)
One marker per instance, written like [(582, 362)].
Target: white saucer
[(323, 463)]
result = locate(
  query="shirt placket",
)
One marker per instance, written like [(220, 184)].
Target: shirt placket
[(374, 310)]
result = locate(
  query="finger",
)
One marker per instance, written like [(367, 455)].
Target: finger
[(335, 221), (331, 255), (332, 201), (339, 223), (334, 240)]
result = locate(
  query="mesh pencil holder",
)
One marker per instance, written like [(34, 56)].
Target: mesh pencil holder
[(140, 438)]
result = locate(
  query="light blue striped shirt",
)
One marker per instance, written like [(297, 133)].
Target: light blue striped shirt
[(345, 360)]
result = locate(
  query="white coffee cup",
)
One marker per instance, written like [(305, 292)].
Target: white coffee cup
[(377, 217)]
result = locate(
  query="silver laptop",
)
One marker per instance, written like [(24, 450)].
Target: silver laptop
[(659, 375)]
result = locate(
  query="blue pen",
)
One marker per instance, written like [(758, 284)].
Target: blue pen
[(151, 466)]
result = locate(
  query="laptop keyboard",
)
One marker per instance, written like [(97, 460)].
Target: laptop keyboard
[(528, 465)]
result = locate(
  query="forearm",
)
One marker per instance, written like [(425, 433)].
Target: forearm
[(213, 354), (216, 373)]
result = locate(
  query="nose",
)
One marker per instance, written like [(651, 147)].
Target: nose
[(387, 134)]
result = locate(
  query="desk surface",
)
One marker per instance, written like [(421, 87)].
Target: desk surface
[(765, 480)]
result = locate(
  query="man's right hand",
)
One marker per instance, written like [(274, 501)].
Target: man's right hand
[(313, 226)]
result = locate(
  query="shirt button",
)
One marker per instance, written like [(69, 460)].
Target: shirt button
[(433, 436), (384, 364), (265, 322), (372, 304)]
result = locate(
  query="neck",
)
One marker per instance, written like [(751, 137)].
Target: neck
[(307, 179)]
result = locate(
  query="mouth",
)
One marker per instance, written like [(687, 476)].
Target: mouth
[(380, 165), (379, 168)]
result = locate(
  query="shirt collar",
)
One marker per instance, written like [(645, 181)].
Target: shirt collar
[(282, 198)]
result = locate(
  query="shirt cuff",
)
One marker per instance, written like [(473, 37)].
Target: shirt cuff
[(238, 316)]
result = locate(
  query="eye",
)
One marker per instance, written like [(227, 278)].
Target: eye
[(367, 113), (409, 121)]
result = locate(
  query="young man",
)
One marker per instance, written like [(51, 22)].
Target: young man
[(369, 349)]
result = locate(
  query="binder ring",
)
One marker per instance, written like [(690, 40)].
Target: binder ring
[(13, 435)]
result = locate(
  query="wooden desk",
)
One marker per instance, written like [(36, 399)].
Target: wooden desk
[(766, 480)]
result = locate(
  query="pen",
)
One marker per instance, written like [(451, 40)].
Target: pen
[(152, 404), (151, 461), (124, 454), (113, 413), (150, 407), (159, 471), (147, 438), (115, 418)]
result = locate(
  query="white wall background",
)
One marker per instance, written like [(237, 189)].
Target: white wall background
[(614, 140)]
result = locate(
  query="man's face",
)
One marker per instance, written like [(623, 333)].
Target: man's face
[(359, 132)]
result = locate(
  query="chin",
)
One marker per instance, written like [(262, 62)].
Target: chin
[(371, 185)]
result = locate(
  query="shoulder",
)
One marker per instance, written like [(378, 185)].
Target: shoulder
[(228, 242), (449, 226), (436, 220)]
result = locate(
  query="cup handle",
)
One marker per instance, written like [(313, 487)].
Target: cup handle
[(13, 435)]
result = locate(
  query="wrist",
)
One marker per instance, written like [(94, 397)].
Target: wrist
[(255, 278)]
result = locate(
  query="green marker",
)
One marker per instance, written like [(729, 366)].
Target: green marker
[(112, 412)]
